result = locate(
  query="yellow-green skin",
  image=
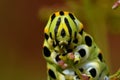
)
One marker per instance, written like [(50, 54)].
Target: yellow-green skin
[(70, 52)]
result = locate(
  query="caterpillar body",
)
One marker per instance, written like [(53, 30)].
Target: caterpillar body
[(70, 52)]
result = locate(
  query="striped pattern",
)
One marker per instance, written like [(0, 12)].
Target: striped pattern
[(67, 45)]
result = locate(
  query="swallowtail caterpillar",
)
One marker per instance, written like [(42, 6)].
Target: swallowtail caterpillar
[(70, 52)]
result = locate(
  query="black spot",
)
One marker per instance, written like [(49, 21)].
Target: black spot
[(81, 69), (52, 17), (46, 36), (76, 62), (54, 45), (93, 72), (64, 54), (69, 41), (81, 32), (63, 33), (69, 50), (57, 42), (46, 52), (88, 41), (57, 58), (75, 47), (75, 41), (61, 13), (77, 77), (100, 57), (51, 74), (89, 77), (82, 52), (50, 35), (71, 16), (75, 73)]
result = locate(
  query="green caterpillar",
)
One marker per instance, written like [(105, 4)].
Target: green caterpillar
[(70, 52)]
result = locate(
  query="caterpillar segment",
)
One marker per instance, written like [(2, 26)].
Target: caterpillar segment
[(70, 52)]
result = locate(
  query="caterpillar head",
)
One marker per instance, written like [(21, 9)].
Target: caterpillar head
[(62, 28)]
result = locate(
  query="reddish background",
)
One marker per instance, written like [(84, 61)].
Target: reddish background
[(21, 39)]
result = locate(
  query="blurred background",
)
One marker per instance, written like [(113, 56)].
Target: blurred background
[(21, 33)]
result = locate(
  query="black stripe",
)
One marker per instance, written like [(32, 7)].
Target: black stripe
[(63, 33), (81, 32), (68, 26), (69, 41), (75, 35), (50, 35), (69, 29), (57, 26), (46, 36), (73, 18), (52, 17)]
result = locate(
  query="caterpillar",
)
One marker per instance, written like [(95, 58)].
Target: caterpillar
[(70, 52)]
